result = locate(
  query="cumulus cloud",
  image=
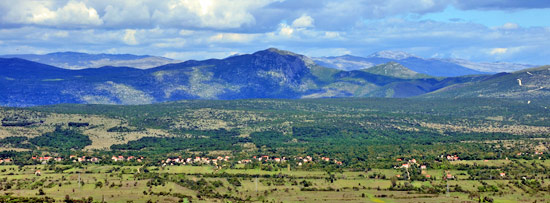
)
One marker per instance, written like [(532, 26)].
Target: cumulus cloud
[(304, 21), (497, 51), (129, 37), (186, 29), (127, 14), (285, 30), (73, 14), (217, 14)]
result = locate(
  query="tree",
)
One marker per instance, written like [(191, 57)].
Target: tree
[(99, 184), (41, 192), (393, 181)]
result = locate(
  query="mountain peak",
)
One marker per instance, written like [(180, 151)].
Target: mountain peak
[(397, 55), (281, 52), (394, 69), (307, 61)]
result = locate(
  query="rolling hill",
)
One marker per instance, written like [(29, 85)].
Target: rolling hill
[(528, 84)]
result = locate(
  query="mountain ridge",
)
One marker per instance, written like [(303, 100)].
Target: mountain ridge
[(269, 73), (77, 60), (460, 66)]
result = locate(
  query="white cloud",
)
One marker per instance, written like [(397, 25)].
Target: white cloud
[(208, 13), (497, 51), (129, 37), (127, 14), (232, 37), (285, 30), (186, 32), (510, 26), (304, 21), (332, 35), (71, 15)]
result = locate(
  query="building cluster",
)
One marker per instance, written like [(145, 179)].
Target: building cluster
[(451, 157), (195, 160), (408, 163), (6, 160), (122, 158), (300, 160), (73, 158)]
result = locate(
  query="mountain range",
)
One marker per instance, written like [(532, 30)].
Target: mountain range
[(76, 60), (431, 66), (270, 73)]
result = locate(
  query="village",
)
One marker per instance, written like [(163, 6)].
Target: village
[(197, 160)]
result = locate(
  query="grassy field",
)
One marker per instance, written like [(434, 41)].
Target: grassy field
[(112, 183)]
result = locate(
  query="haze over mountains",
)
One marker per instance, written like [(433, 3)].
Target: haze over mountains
[(431, 66), (76, 60), (270, 73)]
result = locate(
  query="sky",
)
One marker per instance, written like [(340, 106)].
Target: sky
[(480, 31)]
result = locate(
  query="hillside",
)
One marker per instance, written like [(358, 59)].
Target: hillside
[(526, 84), (394, 69), (270, 73)]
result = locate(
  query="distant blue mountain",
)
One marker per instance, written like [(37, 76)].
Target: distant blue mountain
[(270, 73), (433, 67), (76, 60)]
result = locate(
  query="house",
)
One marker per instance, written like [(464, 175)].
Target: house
[(449, 176), (428, 176), (423, 167), (405, 166), (452, 157), (398, 175), (413, 161), (37, 173), (399, 160), (58, 159), (502, 174), (277, 159)]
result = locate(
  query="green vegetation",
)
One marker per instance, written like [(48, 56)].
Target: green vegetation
[(501, 147), (62, 139)]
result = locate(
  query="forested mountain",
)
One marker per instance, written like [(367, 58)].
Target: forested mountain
[(270, 73)]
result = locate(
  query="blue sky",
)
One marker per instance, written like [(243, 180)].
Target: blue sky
[(489, 30)]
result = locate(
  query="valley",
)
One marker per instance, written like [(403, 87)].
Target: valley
[(348, 149)]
